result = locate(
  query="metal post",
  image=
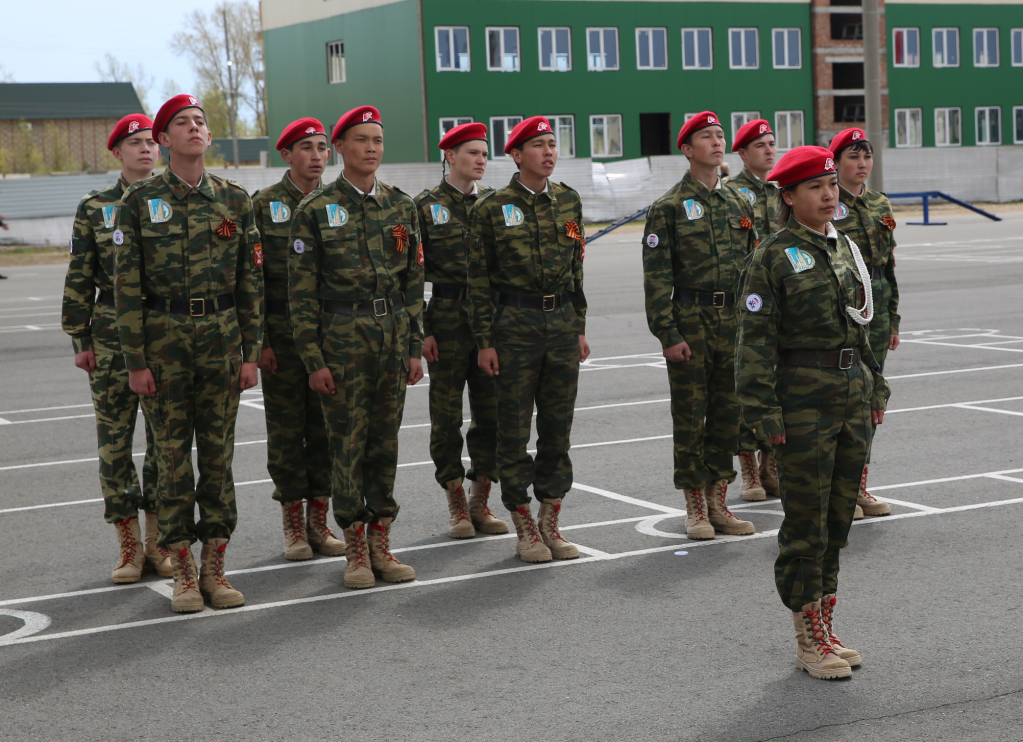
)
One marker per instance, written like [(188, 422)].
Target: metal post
[(872, 88), (232, 95)]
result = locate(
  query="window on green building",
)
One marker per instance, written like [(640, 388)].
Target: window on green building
[(788, 52), (697, 52), (500, 128), (907, 47), (606, 135), (564, 134), (948, 127), (1017, 119), (555, 49), (449, 123), (989, 129), (946, 47), (452, 48), (335, 62), (1017, 47), (503, 49), (743, 51), (601, 49), (652, 48), (788, 129), (909, 127), (740, 119), (985, 47)]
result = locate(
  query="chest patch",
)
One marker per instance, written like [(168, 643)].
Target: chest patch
[(279, 213), (513, 215), (109, 216), (299, 246), (159, 210), (336, 216), (694, 209), (118, 237), (439, 214), (750, 195), (754, 303), (841, 211), (800, 259)]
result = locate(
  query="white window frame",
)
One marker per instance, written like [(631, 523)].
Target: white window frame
[(945, 115), (564, 150), (908, 114), (496, 147), (944, 33), (453, 121), (450, 30), (552, 30), (500, 30), (602, 67), (1016, 45), (784, 35), (987, 57), (696, 31), (336, 71), (1017, 124), (905, 33), (742, 31), (621, 135), (987, 130), (650, 31), (790, 117), (740, 119)]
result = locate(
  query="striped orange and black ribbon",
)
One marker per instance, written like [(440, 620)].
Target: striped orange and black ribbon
[(226, 228), (400, 235)]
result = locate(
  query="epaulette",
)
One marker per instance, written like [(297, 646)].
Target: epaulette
[(483, 197), (758, 252), (87, 196), (426, 192), (236, 184), (565, 185), (312, 194), (136, 185)]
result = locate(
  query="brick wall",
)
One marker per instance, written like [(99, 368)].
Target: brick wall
[(79, 141)]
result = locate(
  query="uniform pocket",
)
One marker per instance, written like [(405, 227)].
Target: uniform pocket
[(341, 249)]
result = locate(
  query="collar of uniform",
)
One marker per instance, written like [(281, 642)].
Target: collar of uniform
[(828, 241), (456, 192), (699, 188), (850, 194), (516, 183), (181, 189), (753, 179), (351, 185), (297, 193), (122, 183)]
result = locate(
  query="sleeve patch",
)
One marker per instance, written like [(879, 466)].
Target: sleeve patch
[(652, 240)]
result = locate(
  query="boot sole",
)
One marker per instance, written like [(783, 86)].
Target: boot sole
[(736, 531), (126, 580), (302, 558), (188, 607), (385, 578), (855, 661), (336, 551), (877, 515), (493, 531), (536, 560), (233, 603), (753, 497), (841, 672), (462, 536), (700, 537), (563, 556), (360, 585)]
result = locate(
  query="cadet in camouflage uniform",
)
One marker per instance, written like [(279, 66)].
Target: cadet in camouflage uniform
[(298, 454), (867, 219), (756, 146), (356, 303), (449, 346), (697, 235), (525, 249), (189, 312), (89, 318), (799, 307)]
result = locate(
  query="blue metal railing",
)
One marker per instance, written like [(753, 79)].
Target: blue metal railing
[(615, 225), (928, 195)]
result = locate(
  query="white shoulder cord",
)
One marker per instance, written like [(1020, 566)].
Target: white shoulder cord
[(868, 290)]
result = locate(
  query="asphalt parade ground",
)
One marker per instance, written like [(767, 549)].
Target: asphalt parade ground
[(648, 636)]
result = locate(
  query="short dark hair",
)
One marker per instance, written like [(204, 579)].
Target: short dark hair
[(861, 145)]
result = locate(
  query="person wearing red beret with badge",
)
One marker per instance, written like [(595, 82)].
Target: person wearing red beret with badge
[(355, 266), (866, 216), (525, 249), (696, 237), (298, 455), (808, 383), (189, 299), (449, 346), (89, 317)]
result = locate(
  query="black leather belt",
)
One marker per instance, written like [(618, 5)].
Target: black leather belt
[(876, 272), (547, 303), (106, 297), (716, 299), (374, 308), (454, 293), (276, 307), (843, 359), (194, 307)]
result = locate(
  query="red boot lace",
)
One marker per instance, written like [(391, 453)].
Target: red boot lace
[(186, 572), (531, 532), (463, 513), (750, 473), (552, 523), (319, 519), (482, 498), (828, 614), (128, 543), (385, 542), (217, 566), (698, 504), (721, 498), (358, 544), (295, 518), (863, 485), (818, 631)]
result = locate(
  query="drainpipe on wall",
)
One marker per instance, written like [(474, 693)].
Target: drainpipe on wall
[(422, 84), (872, 89)]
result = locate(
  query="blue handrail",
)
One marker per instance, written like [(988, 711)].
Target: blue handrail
[(927, 195), (615, 225)]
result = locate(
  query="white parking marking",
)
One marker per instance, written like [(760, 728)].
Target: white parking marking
[(34, 623)]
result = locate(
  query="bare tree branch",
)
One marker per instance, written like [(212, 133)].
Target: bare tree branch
[(113, 70)]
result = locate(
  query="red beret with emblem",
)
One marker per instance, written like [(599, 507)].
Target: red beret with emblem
[(695, 123), (802, 163), (750, 131), (297, 130), (172, 108), (360, 115), (844, 138), (530, 128), (127, 126), (463, 133)]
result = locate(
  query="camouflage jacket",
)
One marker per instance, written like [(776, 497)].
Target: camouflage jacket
[(343, 247), (524, 243), (763, 196), (868, 220), (444, 218), (695, 238), (170, 248), (92, 268), (795, 290)]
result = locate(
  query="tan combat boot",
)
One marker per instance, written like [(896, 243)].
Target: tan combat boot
[(460, 524), (385, 564), (720, 516), (132, 558), (752, 489), (318, 533), (187, 598), (296, 544), (828, 615), (482, 516), (814, 652), (358, 573), (858, 513), (157, 558), (869, 504), (213, 583), (769, 473), (697, 525), (550, 510), (530, 546)]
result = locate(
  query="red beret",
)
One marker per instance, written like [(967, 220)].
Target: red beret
[(297, 130), (695, 123), (128, 125), (172, 108), (802, 163), (526, 130), (844, 138), (463, 133), (360, 115), (751, 130)]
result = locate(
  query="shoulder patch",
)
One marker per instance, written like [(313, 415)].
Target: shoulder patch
[(235, 183), (568, 187)]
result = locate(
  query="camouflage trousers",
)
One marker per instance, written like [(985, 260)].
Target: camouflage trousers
[(449, 374), (880, 328), (704, 408), (195, 363), (117, 408), (368, 357), (298, 454), (827, 434), (538, 353)]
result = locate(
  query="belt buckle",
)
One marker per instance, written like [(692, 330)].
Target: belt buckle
[(842, 363), (193, 303), (553, 299), (714, 300), (379, 307)]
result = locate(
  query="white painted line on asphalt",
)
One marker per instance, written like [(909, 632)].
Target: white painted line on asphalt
[(955, 404), (966, 347), (166, 589), (627, 499), (4, 422), (50, 505), (1004, 478), (45, 409), (34, 623), (50, 419), (988, 409), (913, 505), (942, 480)]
